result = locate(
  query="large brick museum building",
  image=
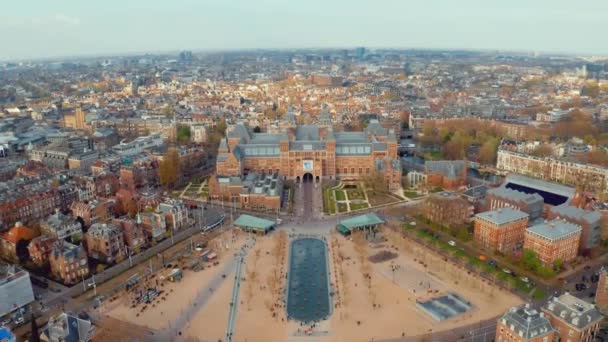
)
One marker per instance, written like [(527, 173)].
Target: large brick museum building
[(314, 151)]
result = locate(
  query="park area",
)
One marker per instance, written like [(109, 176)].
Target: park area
[(353, 196), (391, 288), (197, 189)]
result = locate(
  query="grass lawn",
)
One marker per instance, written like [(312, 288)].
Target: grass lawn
[(434, 190), (329, 202), (434, 155), (376, 198), (342, 207), (357, 206), (340, 196), (412, 194)]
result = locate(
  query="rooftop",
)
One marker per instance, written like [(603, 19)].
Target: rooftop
[(527, 322), (503, 215), (361, 221), (555, 230), (552, 193), (568, 211), (516, 195), (574, 311), (253, 222)]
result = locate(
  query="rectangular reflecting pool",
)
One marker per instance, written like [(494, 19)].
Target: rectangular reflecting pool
[(444, 307), (308, 288)]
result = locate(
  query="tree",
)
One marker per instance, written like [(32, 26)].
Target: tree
[(597, 157), (488, 151), (221, 127), (375, 181), (183, 134), (169, 169), (557, 264), (530, 260)]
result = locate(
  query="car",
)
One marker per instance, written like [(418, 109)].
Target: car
[(19, 320), (492, 263), (595, 278), (452, 243), (525, 279), (6, 321), (592, 294), (507, 271)]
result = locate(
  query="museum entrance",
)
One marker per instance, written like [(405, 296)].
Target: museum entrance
[(307, 178)]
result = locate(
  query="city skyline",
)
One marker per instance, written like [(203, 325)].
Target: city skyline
[(38, 29)]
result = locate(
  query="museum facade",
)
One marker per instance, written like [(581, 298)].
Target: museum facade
[(312, 152)]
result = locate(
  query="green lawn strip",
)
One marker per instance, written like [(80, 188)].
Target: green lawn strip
[(411, 194), (340, 196), (538, 294), (358, 206)]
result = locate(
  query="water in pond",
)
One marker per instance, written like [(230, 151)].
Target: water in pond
[(308, 294)]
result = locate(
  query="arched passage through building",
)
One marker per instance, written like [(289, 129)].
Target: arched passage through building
[(307, 178)]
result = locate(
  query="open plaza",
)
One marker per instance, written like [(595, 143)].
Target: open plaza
[(379, 285)]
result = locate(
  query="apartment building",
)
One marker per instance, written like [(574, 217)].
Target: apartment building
[(502, 197), (69, 262), (40, 249), (501, 230), (61, 226), (572, 318), (448, 209), (105, 243), (524, 324), (588, 177), (587, 219), (553, 240)]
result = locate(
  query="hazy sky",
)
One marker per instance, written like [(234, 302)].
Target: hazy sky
[(44, 28)]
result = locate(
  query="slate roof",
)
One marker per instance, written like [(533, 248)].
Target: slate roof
[(502, 216), (527, 322), (307, 133), (571, 212), (515, 195), (374, 127), (350, 137), (574, 311), (555, 230), (448, 168)]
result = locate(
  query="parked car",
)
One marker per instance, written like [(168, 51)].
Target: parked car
[(595, 278), (19, 320), (452, 243), (525, 279), (492, 263), (507, 271), (6, 321)]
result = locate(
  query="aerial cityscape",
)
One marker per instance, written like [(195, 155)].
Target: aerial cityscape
[(360, 190)]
